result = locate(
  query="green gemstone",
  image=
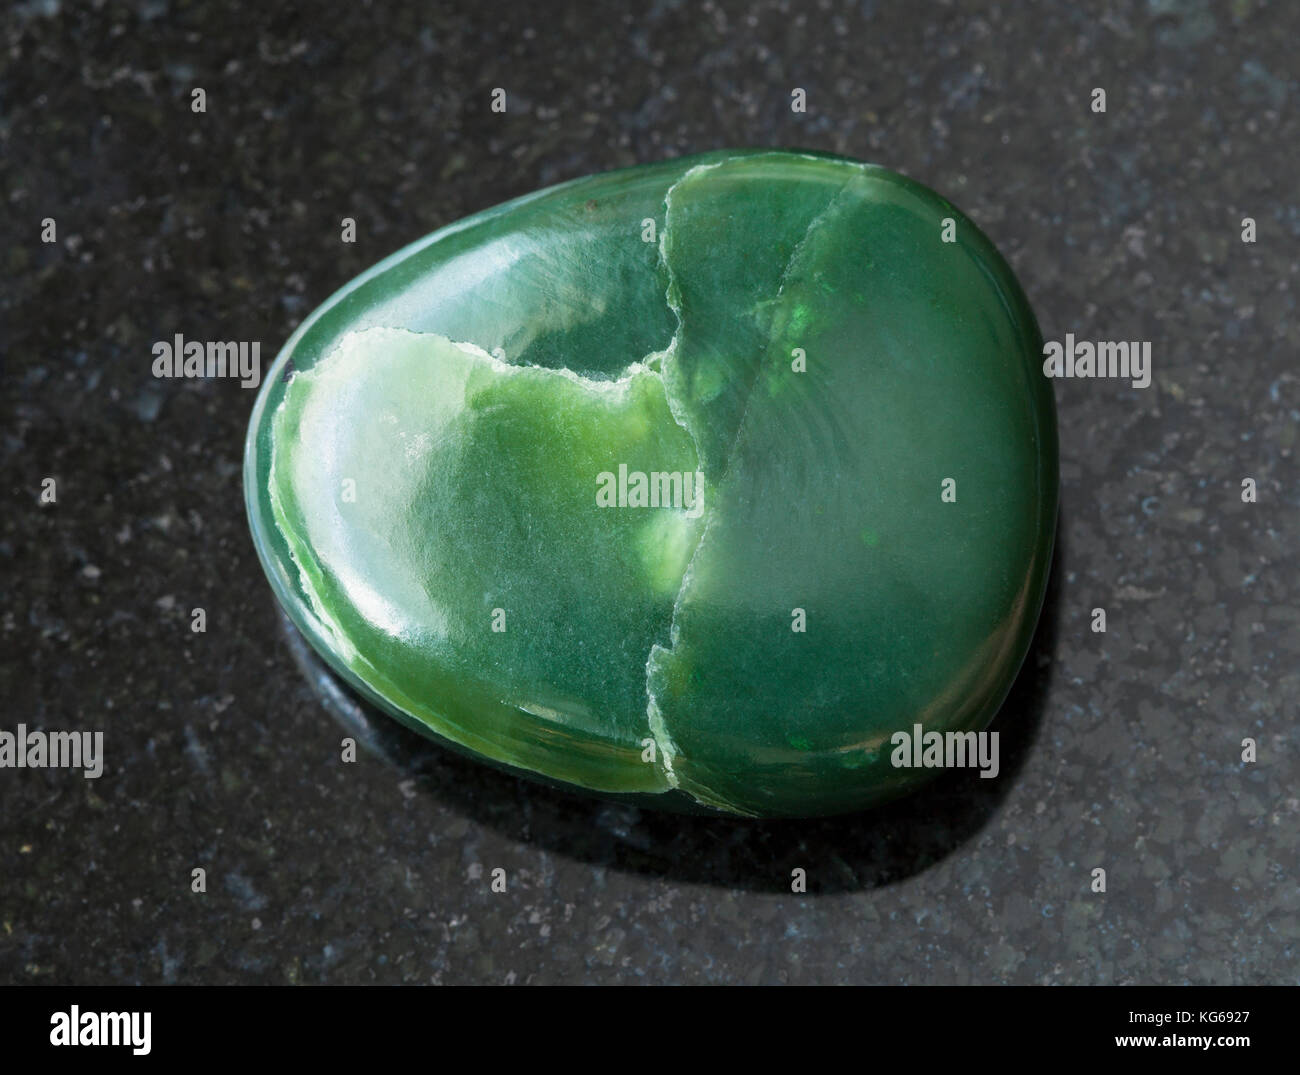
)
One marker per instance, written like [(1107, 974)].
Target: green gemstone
[(780, 347)]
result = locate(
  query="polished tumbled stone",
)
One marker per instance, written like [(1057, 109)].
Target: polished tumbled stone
[(789, 333)]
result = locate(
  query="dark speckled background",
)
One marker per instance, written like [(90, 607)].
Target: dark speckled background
[(1120, 750)]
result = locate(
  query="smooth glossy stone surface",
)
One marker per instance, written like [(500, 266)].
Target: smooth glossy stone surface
[(799, 342)]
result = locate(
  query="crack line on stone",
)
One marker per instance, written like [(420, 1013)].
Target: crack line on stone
[(658, 727), (664, 746)]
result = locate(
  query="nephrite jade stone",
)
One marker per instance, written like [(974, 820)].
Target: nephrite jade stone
[(690, 484)]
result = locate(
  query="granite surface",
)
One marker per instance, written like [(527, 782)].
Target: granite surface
[(1121, 750)]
